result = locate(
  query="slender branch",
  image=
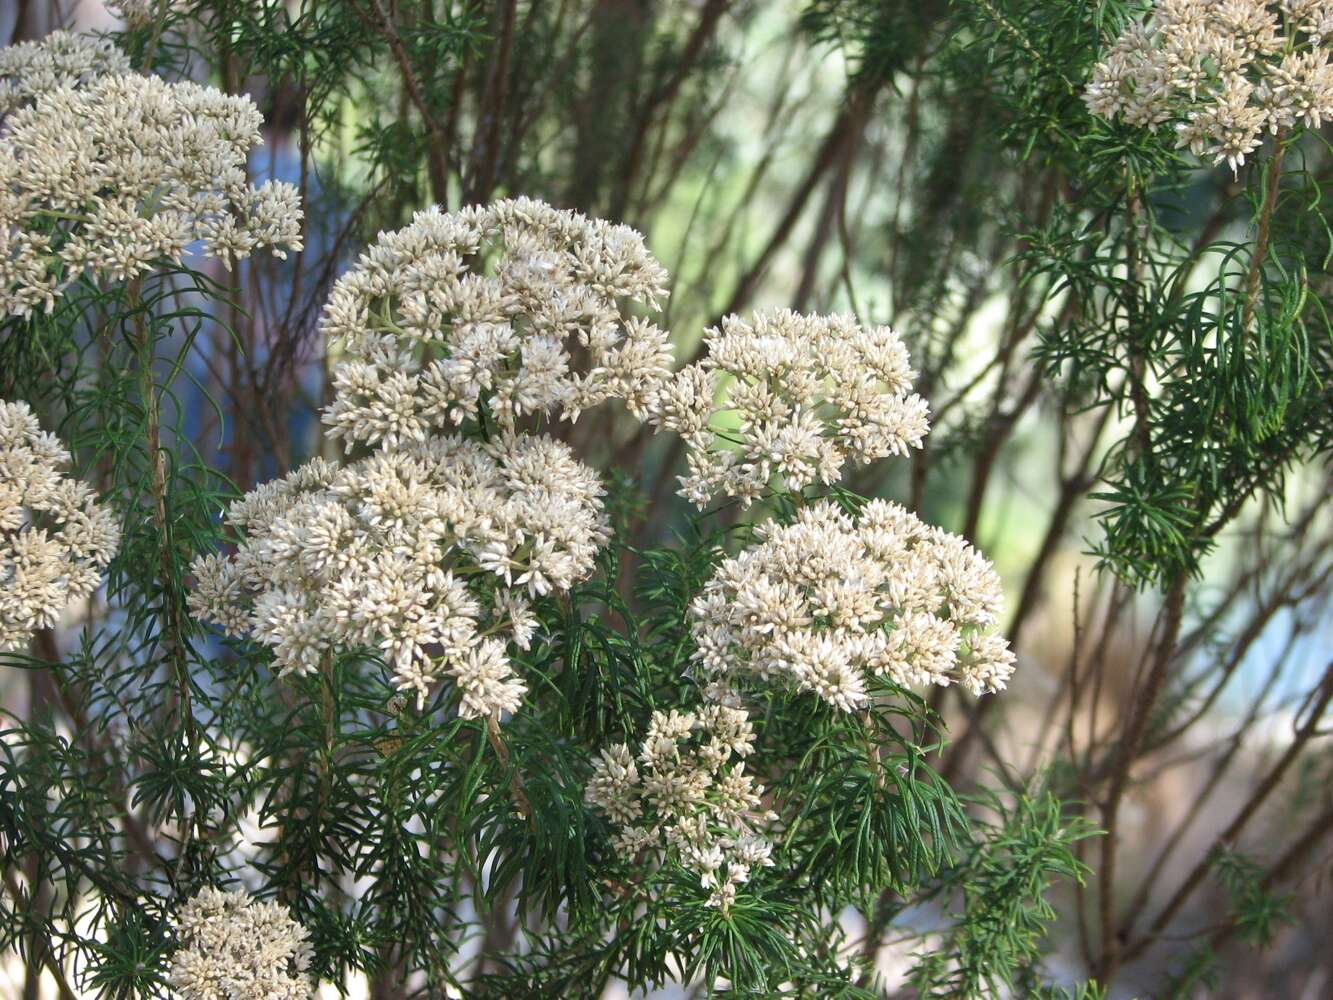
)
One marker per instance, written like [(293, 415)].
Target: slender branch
[(486, 151), (1152, 879), (46, 953), (1254, 278), (501, 748), (1135, 728), (173, 625), (848, 120), (1141, 434), (664, 94), (435, 151)]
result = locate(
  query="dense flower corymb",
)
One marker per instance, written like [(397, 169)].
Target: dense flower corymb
[(430, 553), (1224, 71), (234, 947), (688, 793), (515, 308), (825, 601), (126, 173), (61, 59), (790, 397), (55, 539)]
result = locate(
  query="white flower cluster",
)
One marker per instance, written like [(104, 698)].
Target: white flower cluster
[(790, 396), (1224, 71), (61, 59), (826, 601), (55, 539), (234, 947), (125, 173), (688, 793), (429, 552), (515, 306), (432, 546)]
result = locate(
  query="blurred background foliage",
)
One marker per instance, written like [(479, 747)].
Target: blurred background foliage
[(1139, 443)]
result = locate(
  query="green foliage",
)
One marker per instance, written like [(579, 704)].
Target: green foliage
[(1003, 914), (868, 812), (1259, 912), (880, 39)]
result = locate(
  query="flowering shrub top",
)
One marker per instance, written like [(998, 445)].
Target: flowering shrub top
[(469, 695), (457, 328)]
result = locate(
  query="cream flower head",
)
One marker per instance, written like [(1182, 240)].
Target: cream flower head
[(62, 59), (234, 947), (787, 399), (688, 794), (516, 308), (430, 553), (55, 539), (828, 601), (125, 173), (1223, 71)]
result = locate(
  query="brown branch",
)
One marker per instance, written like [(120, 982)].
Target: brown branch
[(86, 731), (46, 953), (662, 95), (1220, 769), (495, 98), (651, 196), (999, 426), (1072, 489), (501, 748), (436, 165), (173, 624), (1135, 728), (1249, 636), (1307, 731), (1255, 275), (847, 122), (529, 106), (1281, 871), (911, 126)]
